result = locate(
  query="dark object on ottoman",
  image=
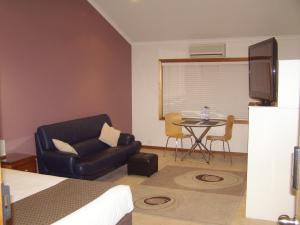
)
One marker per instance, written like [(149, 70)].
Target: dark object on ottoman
[(94, 158), (144, 164)]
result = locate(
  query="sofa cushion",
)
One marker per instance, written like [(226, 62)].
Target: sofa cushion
[(89, 146), (63, 146), (72, 131), (95, 163), (110, 158), (125, 139), (130, 149), (109, 135)]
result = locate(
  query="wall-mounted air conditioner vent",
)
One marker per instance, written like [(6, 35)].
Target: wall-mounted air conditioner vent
[(207, 50)]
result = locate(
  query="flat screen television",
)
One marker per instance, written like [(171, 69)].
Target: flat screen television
[(263, 71)]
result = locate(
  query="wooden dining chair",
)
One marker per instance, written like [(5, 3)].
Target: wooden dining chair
[(225, 138), (173, 131)]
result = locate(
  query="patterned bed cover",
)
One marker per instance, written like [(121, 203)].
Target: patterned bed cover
[(58, 201)]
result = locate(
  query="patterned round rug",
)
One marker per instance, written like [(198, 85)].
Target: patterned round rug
[(155, 202), (208, 179)]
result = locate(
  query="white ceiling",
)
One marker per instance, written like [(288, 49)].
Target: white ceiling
[(160, 20)]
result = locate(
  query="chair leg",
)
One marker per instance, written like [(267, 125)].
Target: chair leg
[(176, 148), (181, 144), (191, 145), (210, 153), (223, 149), (166, 146), (229, 152)]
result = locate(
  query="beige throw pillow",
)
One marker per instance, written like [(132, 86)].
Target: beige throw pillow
[(109, 135), (63, 146)]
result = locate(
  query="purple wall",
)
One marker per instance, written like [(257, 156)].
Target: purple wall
[(59, 60)]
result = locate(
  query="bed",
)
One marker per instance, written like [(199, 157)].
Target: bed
[(43, 199)]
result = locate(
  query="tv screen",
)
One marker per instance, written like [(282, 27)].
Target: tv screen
[(263, 62)]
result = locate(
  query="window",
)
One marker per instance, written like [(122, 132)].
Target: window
[(221, 84)]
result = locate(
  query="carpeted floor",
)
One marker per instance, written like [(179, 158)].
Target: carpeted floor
[(192, 194), (203, 208), (173, 199), (197, 179)]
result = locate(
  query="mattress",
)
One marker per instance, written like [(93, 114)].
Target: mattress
[(114, 204)]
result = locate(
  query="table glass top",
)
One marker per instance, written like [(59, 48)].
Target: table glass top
[(200, 123)]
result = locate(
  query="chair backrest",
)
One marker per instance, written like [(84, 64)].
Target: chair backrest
[(170, 128), (228, 128)]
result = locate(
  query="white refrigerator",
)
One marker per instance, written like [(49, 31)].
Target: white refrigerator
[(273, 134)]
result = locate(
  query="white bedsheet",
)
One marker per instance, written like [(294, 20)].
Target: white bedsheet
[(107, 209)]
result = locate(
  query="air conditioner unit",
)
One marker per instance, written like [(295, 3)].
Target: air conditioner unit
[(207, 50)]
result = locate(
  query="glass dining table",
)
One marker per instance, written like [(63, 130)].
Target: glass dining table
[(190, 125)]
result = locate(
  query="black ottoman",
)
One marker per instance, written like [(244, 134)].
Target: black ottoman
[(144, 164)]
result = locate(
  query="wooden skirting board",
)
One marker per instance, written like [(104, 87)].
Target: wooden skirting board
[(186, 149)]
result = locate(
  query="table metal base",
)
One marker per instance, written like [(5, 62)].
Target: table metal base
[(198, 143)]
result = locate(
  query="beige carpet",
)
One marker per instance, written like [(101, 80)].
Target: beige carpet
[(197, 179), (207, 197), (202, 208)]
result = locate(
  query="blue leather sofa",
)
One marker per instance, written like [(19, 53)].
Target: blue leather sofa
[(94, 158)]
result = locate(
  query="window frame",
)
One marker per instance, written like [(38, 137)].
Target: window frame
[(187, 60)]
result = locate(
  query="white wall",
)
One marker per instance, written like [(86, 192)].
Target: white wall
[(145, 83)]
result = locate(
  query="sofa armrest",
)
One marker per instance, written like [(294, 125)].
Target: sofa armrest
[(125, 139), (59, 162)]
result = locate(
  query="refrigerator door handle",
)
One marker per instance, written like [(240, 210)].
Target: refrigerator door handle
[(296, 165), (285, 219)]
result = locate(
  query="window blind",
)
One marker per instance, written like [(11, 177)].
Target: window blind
[(222, 86)]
